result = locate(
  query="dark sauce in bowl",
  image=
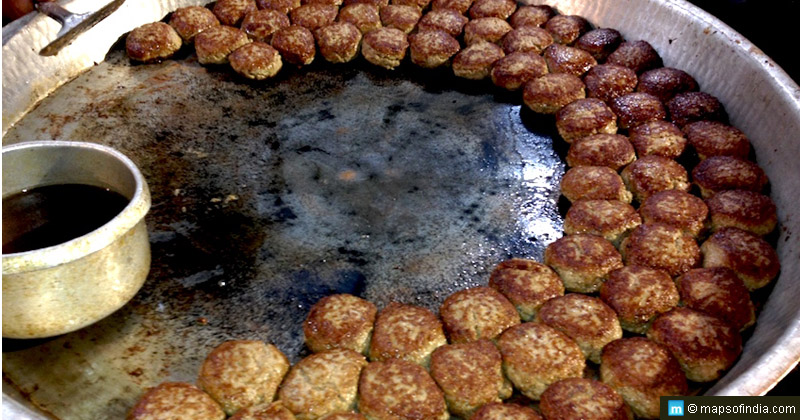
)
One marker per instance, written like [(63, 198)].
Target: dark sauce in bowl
[(45, 216)]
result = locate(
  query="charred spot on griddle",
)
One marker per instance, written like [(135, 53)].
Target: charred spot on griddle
[(353, 256)]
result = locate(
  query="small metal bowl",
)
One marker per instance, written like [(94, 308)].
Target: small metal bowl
[(65, 287)]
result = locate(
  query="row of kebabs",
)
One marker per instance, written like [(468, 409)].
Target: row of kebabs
[(405, 362), (626, 118), (288, 30)]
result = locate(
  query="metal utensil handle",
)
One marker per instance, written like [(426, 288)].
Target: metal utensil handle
[(54, 10), (73, 24)]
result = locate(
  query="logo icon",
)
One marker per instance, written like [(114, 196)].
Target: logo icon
[(675, 407)]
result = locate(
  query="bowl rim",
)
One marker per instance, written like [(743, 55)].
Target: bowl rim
[(76, 248)]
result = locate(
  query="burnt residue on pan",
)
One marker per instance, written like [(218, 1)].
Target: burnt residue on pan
[(404, 185)]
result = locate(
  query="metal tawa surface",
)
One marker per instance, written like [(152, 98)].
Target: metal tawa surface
[(392, 185)]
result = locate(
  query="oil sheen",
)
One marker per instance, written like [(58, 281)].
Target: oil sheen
[(50, 215)]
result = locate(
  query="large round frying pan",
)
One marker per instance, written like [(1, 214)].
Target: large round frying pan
[(395, 185)]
